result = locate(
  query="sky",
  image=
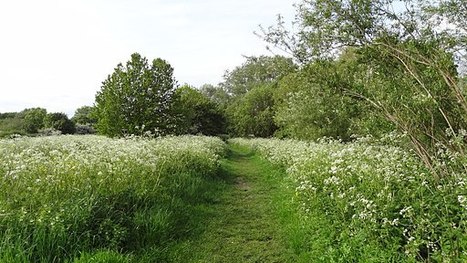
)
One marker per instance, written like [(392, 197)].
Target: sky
[(55, 54)]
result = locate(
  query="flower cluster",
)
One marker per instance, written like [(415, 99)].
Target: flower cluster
[(87, 189), (380, 193)]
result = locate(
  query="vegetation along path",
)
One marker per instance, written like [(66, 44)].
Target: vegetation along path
[(249, 221)]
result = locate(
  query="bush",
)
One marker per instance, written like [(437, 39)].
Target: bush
[(252, 113), (84, 129), (49, 132), (9, 126), (196, 113), (34, 119), (59, 121)]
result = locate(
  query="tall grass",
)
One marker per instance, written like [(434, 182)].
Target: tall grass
[(60, 196), (369, 202)]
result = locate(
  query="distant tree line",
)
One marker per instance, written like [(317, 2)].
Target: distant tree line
[(36, 121)]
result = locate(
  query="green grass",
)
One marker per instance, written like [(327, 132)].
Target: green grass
[(253, 219), (367, 201), (91, 198)]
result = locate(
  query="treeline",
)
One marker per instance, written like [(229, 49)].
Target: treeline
[(361, 68), (37, 121)]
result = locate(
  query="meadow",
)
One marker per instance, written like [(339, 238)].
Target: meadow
[(92, 198), (368, 201), (185, 198)]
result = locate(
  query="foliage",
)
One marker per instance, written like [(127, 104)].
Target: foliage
[(216, 94), (317, 101), (406, 60), (136, 96), (84, 129), (59, 121), (252, 114), (8, 115), (84, 115), (250, 86), (76, 197), (34, 119), (449, 19), (422, 101), (256, 71), (11, 124), (365, 202), (310, 104), (196, 113)]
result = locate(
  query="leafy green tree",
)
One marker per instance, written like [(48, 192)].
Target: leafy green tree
[(314, 102), (216, 94), (310, 104), (196, 113), (136, 97), (408, 60), (246, 86), (59, 121), (34, 119), (253, 113), (256, 71), (84, 115)]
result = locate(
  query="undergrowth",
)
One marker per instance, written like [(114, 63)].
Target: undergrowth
[(94, 199), (369, 202)]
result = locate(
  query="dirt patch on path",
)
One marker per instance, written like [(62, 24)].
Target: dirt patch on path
[(241, 184)]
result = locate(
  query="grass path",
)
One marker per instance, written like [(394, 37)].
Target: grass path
[(246, 222)]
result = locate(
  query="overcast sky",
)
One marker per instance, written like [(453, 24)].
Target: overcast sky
[(56, 53)]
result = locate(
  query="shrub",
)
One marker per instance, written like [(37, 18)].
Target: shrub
[(59, 121), (84, 129)]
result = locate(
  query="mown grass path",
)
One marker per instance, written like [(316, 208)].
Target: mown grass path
[(246, 223)]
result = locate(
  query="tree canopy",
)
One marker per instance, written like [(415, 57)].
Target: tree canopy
[(34, 119), (256, 71), (196, 113), (60, 122), (84, 115), (405, 59), (136, 97)]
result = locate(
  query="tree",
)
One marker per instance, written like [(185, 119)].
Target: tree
[(310, 104), (246, 86), (408, 59), (136, 97), (84, 116), (256, 71), (196, 113), (216, 94), (253, 113), (59, 121), (34, 119)]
